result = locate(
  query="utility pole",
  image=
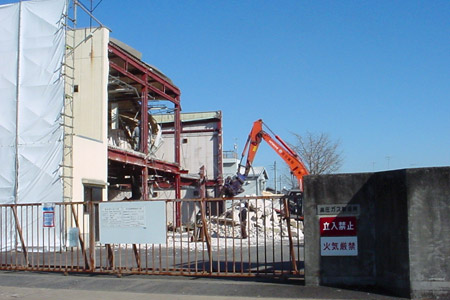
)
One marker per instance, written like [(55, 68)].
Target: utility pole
[(388, 161), (275, 175)]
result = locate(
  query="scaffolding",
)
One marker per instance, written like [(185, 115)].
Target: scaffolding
[(70, 26)]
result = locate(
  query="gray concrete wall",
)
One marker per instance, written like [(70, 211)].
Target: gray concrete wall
[(403, 231), (391, 231), (339, 189), (428, 193)]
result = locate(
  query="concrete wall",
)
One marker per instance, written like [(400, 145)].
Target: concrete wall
[(428, 193), (391, 231), (200, 142), (331, 270), (90, 142), (403, 231)]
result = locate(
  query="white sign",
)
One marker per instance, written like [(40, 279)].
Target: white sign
[(339, 209), (339, 246), (73, 237), (48, 216), (132, 222)]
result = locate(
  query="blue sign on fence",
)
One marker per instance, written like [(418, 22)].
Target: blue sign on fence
[(48, 210)]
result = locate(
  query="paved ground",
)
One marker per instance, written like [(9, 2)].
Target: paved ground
[(49, 286)]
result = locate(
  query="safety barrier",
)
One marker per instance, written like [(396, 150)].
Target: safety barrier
[(203, 237)]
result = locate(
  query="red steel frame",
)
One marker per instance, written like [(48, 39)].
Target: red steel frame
[(167, 92), (142, 161)]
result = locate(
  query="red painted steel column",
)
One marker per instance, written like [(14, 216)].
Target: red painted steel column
[(144, 135), (144, 183), (144, 115), (177, 127)]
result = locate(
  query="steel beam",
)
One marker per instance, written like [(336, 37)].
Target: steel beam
[(144, 69), (137, 160)]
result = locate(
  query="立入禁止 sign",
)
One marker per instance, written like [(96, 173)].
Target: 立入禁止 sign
[(337, 226)]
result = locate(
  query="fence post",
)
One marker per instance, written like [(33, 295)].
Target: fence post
[(91, 235), (291, 245), (206, 233), (137, 257), (19, 230)]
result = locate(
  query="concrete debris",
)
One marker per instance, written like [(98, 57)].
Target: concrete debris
[(261, 217)]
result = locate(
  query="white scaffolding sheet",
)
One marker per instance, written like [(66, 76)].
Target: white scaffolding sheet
[(32, 47)]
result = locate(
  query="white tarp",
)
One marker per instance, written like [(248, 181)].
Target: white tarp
[(9, 37), (32, 47)]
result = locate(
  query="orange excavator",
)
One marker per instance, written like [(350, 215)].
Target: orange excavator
[(233, 186)]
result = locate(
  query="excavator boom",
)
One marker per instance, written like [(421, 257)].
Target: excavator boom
[(257, 134), (289, 156)]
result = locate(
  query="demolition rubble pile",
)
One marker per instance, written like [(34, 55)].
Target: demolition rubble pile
[(264, 221)]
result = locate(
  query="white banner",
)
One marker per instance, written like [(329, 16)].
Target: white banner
[(9, 41), (32, 48)]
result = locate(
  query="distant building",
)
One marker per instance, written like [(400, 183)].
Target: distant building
[(255, 182), (230, 163)]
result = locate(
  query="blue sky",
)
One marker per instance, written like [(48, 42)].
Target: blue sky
[(373, 74)]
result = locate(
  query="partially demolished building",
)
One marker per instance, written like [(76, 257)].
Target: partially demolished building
[(117, 128), (135, 111)]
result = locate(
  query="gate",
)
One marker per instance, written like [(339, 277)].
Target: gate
[(204, 237)]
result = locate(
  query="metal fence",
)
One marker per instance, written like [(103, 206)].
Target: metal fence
[(211, 237)]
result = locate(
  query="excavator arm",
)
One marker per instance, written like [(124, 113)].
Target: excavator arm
[(289, 156), (257, 134)]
